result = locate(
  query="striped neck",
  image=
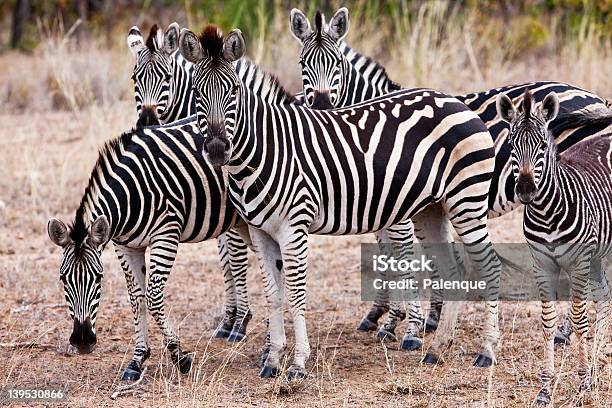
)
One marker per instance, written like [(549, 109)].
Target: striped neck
[(549, 193)]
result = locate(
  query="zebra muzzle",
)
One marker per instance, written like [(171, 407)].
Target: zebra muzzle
[(525, 189), (148, 116), (322, 101), (217, 150), (83, 336)]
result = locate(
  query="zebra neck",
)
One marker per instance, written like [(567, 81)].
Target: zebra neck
[(550, 195), (182, 103)]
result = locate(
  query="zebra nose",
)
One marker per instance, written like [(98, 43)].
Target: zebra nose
[(148, 116), (322, 100), (525, 188), (83, 336), (217, 150)]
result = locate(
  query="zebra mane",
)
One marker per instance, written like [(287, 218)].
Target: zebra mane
[(263, 83), (78, 229), (579, 118), (354, 56), (211, 40), (319, 22)]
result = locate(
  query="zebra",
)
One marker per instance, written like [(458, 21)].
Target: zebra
[(335, 74), (289, 179), (163, 94), (567, 220), (161, 76), (158, 69), (149, 188)]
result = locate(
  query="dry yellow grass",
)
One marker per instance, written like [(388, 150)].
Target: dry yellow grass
[(45, 159)]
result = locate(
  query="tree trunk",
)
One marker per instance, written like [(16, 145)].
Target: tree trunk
[(21, 14)]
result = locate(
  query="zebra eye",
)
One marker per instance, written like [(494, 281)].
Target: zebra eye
[(167, 77), (133, 77)]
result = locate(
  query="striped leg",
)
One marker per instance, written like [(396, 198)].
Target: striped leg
[(469, 218), (603, 307), (580, 276), (234, 262), (294, 249), (163, 253), (239, 262), (135, 271), (271, 265), (230, 306), (398, 239)]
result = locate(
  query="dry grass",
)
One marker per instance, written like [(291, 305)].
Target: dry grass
[(47, 147)]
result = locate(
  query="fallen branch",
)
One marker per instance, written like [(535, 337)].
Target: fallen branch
[(26, 344), (128, 388)]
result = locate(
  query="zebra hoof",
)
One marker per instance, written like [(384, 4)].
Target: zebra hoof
[(221, 333), (411, 343), (367, 325), (295, 373), (561, 339), (431, 325), (386, 335), (269, 372), (543, 398), (130, 375), (235, 337), (431, 358), (483, 361), (184, 364)]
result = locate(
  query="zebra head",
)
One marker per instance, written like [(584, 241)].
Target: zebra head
[(81, 274), (216, 86), (152, 76), (529, 139), (324, 66)]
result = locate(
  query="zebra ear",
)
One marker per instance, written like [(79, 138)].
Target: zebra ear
[(171, 38), (135, 41), (99, 232), (299, 24), (550, 107), (233, 46), (189, 46), (58, 232), (505, 107), (339, 24)]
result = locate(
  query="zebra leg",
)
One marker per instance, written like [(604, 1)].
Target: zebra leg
[(294, 249), (271, 265), (163, 253), (230, 306), (546, 272), (133, 264), (397, 240), (470, 222), (239, 261), (580, 287)]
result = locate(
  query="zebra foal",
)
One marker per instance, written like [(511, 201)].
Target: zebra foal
[(567, 220), (295, 171)]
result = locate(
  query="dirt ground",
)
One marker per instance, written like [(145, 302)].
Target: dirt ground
[(45, 160)]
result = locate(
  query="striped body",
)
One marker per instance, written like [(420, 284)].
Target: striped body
[(567, 220)]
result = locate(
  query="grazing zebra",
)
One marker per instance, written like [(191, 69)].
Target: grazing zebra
[(163, 93), (295, 171), (567, 220), (150, 188), (334, 74)]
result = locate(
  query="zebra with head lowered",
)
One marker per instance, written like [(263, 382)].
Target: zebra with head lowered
[(294, 171), (150, 188), (335, 74), (163, 93), (567, 219)]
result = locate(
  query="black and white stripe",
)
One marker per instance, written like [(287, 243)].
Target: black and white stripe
[(295, 171), (567, 220), (150, 188)]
